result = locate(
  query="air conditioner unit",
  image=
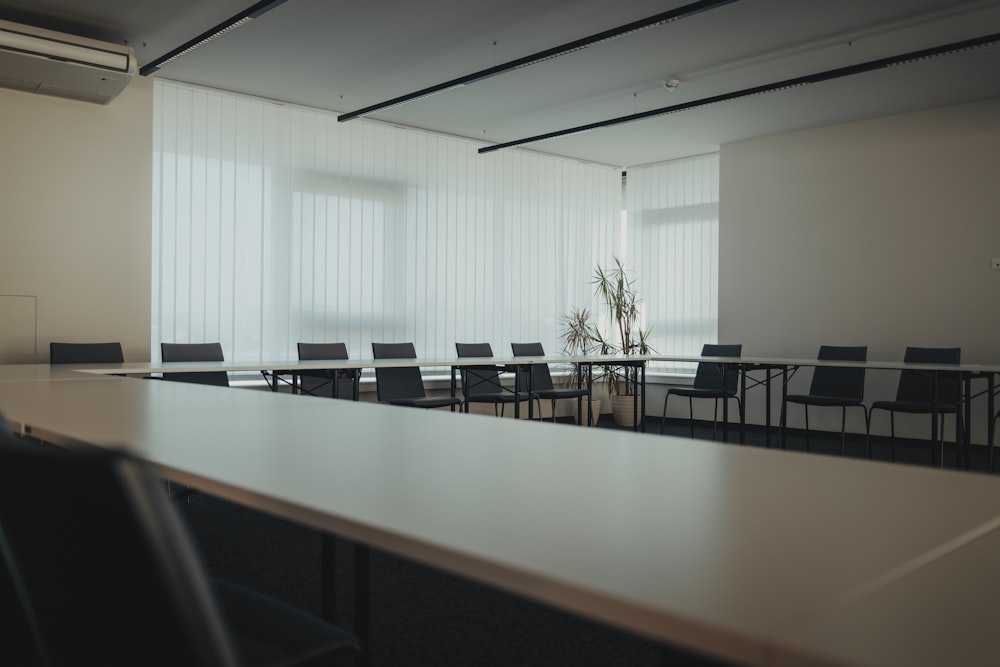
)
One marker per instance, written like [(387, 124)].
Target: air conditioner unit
[(53, 63)]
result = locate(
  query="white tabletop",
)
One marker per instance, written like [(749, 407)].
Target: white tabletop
[(290, 365), (943, 614), (742, 553), (873, 364), (41, 372)]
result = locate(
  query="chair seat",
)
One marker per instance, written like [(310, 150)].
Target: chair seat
[(810, 399), (560, 393), (701, 392), (425, 401), (914, 407), (267, 632), (494, 397)]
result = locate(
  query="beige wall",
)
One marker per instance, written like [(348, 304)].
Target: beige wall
[(75, 180), (875, 233)]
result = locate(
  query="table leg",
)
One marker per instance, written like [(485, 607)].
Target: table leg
[(784, 415), (642, 370), (743, 403), (991, 416), (361, 602), (725, 404), (767, 407), (328, 577)]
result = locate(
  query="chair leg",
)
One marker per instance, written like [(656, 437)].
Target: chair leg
[(663, 419), (781, 422), (691, 414), (868, 435), (806, 408), (715, 417), (843, 430), (892, 435)]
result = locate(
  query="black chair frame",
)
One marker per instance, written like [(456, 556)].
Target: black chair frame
[(712, 380), (935, 393), (833, 386), (326, 377), (482, 384), (535, 380), (404, 385), (170, 352)]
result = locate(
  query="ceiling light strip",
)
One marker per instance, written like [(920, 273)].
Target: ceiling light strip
[(232, 22), (766, 88), (548, 54)]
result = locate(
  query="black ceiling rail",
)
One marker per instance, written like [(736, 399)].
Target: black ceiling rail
[(576, 45), (232, 22), (827, 75)]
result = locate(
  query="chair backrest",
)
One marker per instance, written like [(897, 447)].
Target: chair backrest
[(86, 353), (918, 386), (195, 352), (848, 383), (398, 382), (478, 379), (321, 351), (312, 380), (709, 374), (103, 569), (541, 378)]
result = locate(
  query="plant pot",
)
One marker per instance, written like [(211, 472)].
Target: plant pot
[(596, 407), (622, 407)]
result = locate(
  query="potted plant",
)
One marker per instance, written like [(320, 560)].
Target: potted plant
[(616, 290), (579, 338)]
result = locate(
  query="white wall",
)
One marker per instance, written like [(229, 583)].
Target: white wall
[(75, 181), (875, 233)]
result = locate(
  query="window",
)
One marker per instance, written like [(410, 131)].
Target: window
[(275, 224), (673, 239)]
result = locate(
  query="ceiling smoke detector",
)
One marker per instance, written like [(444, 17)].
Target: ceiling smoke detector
[(671, 84)]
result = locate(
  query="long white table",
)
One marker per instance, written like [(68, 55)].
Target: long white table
[(276, 368), (967, 372), (755, 556)]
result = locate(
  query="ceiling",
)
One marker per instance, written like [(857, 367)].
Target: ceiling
[(345, 56)]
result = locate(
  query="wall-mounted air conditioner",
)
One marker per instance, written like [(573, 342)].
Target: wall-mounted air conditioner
[(54, 63)]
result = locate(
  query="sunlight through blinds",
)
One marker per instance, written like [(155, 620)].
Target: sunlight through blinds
[(275, 224)]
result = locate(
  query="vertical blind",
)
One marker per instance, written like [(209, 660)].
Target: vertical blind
[(672, 222), (275, 224)]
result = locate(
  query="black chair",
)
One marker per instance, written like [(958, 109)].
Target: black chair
[(833, 386), (925, 392), (103, 572), (711, 380), (481, 384), (195, 352), (311, 382), (541, 381), (403, 385), (86, 353)]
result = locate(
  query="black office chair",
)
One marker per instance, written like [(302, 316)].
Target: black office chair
[(481, 384), (711, 380), (925, 392), (103, 572), (311, 382), (833, 386), (195, 352), (404, 385), (541, 381), (86, 353)]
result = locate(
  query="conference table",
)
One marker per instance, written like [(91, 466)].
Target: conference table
[(754, 556), (775, 367), (274, 370)]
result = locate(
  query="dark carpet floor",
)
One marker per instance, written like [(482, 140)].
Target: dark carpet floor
[(421, 617)]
